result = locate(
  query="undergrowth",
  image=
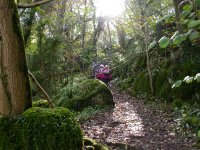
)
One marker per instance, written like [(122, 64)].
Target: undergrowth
[(188, 120)]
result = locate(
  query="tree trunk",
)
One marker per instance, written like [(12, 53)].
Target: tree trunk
[(109, 33), (84, 24), (148, 60), (15, 96), (177, 14)]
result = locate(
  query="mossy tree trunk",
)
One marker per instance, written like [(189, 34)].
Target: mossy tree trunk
[(15, 95)]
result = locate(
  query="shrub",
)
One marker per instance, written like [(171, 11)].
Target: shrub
[(141, 84), (162, 85), (41, 128)]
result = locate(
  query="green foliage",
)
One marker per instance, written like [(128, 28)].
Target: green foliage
[(177, 84), (141, 83), (194, 23), (198, 134), (41, 128), (166, 18), (162, 85), (41, 103), (188, 119), (187, 7), (126, 83), (177, 103), (179, 39), (188, 79), (86, 93), (197, 77), (194, 35), (164, 42), (188, 88), (187, 92), (152, 45), (193, 122)]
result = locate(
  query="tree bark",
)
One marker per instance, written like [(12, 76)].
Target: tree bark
[(177, 14), (109, 33), (84, 24), (149, 69), (15, 95)]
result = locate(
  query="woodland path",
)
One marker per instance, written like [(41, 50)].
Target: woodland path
[(133, 125)]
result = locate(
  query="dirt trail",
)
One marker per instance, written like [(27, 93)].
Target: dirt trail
[(131, 125)]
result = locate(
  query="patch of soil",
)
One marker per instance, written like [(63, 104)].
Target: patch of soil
[(133, 125)]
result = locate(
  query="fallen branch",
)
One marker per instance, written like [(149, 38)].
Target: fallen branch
[(33, 4), (41, 89)]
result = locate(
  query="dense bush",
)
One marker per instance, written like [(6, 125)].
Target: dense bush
[(86, 93), (41, 129), (188, 89), (141, 84)]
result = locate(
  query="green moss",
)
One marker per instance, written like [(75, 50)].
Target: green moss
[(41, 103), (93, 144), (41, 128), (98, 146), (86, 93)]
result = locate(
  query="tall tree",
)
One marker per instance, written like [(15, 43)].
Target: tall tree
[(14, 83), (177, 14)]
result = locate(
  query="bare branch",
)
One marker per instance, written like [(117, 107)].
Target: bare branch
[(34, 4), (41, 89)]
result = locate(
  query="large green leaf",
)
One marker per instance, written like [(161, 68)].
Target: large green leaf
[(187, 7), (194, 35), (194, 23), (164, 42), (198, 134), (188, 79), (197, 77), (178, 39), (152, 45), (184, 14), (186, 21), (166, 18), (177, 84)]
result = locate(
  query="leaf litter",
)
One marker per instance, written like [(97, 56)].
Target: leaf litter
[(134, 125)]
